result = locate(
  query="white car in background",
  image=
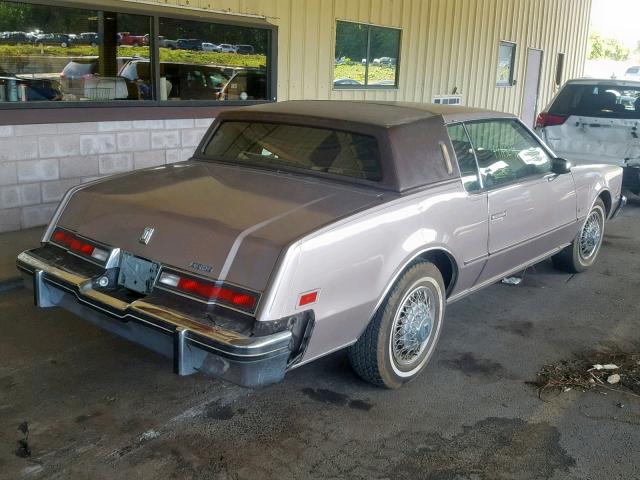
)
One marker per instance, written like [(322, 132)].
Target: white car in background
[(632, 73), (596, 121), (210, 47), (227, 48)]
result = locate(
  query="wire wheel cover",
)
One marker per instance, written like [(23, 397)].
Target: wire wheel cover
[(591, 235), (412, 326)]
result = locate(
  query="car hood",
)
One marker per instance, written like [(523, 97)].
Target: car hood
[(224, 222)]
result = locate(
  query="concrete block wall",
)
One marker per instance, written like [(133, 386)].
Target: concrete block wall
[(39, 163)]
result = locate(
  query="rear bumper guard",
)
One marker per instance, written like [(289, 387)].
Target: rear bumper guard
[(244, 360)]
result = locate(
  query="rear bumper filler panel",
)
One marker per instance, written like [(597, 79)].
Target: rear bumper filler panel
[(248, 361)]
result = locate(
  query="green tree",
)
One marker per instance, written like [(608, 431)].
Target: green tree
[(606, 48)]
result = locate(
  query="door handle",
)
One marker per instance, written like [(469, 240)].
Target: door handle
[(499, 215)]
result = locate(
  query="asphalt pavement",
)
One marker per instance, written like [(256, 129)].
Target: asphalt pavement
[(76, 402)]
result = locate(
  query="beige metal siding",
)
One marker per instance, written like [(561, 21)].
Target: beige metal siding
[(445, 44)]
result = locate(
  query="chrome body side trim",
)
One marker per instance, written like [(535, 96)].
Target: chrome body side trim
[(489, 281)]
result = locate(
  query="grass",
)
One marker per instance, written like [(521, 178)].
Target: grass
[(166, 54), (356, 72)]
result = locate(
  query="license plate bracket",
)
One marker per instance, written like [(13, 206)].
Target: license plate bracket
[(136, 273)]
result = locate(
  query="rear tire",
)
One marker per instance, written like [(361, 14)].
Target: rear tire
[(583, 251), (401, 338)]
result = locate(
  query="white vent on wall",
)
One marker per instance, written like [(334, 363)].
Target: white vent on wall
[(448, 99)]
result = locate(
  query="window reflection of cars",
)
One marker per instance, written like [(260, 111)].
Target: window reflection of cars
[(245, 85), (125, 38), (15, 38), (180, 81), (81, 78), (346, 81), (210, 47), (75, 72), (167, 43), (245, 49), (88, 38), (189, 44), (57, 39), (227, 48), (386, 61)]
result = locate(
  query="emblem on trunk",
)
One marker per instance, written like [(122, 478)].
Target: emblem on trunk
[(201, 266), (145, 238)]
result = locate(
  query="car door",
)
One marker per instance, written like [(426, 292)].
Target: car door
[(532, 211), (471, 211)]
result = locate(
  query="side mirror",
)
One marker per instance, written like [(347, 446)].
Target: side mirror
[(560, 166)]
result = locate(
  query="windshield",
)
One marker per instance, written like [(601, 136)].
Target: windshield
[(601, 100), (280, 146)]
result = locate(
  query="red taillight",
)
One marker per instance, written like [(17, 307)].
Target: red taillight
[(307, 298), (549, 120), (62, 238), (78, 245), (210, 291)]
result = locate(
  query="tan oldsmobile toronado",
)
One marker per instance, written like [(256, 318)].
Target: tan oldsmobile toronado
[(304, 227)]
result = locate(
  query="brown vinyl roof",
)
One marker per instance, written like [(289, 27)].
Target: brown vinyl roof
[(378, 113), (409, 134)]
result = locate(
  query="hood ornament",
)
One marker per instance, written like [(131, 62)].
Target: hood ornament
[(145, 238)]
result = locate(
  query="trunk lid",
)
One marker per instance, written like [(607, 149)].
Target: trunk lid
[(224, 222), (584, 139), (601, 121)]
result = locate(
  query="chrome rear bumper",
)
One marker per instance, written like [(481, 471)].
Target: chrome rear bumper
[(241, 359)]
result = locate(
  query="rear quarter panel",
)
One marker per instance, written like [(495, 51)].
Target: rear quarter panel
[(352, 262), (591, 181)]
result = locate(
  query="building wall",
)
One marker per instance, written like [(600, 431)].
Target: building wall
[(445, 44), (40, 162)]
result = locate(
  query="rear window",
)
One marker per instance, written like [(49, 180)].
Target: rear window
[(598, 100), (281, 146)]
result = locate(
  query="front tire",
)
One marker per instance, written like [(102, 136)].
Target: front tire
[(401, 338), (582, 253)]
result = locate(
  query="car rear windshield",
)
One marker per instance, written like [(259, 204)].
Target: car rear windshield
[(282, 146), (598, 100)]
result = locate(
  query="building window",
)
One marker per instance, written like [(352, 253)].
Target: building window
[(50, 53), (200, 61), (506, 64), (559, 69), (366, 56)]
